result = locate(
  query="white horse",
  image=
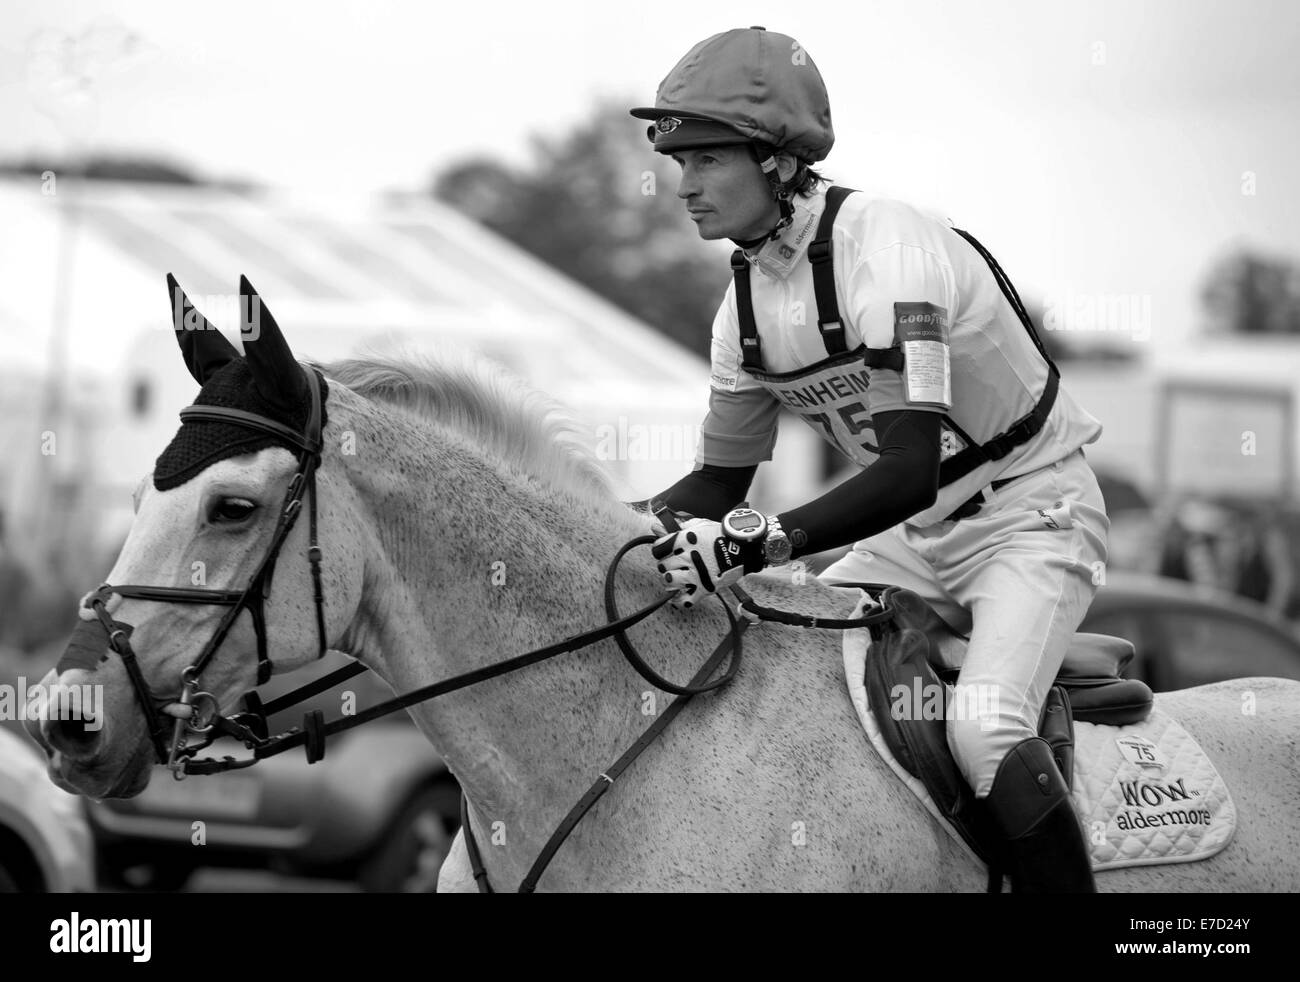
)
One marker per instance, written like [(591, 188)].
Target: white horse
[(461, 523)]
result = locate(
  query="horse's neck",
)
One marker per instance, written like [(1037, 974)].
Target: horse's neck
[(474, 566)]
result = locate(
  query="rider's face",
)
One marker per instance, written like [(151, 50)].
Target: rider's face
[(726, 193)]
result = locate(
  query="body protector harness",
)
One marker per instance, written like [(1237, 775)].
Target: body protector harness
[(840, 412)]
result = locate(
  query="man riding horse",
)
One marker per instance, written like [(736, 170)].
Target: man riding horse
[(899, 340)]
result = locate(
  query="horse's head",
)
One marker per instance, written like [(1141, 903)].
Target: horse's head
[(188, 609)]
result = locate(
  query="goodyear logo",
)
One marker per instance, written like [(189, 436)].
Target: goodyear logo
[(920, 321)]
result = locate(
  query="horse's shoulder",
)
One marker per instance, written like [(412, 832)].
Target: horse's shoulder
[(802, 593)]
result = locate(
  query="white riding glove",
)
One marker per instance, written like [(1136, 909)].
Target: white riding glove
[(701, 559)]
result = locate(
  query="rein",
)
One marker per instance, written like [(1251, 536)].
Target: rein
[(198, 712), (755, 613)]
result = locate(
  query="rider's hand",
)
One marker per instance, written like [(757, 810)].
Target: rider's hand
[(701, 559)]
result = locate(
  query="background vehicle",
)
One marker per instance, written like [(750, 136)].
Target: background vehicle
[(45, 844), (1188, 635), (380, 809)]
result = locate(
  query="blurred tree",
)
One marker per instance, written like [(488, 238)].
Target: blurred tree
[(1248, 293), (600, 206), (106, 168)]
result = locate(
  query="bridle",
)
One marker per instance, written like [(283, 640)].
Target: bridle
[(196, 710)]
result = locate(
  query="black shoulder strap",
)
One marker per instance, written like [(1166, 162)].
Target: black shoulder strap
[(1025, 428), (751, 354), (1009, 291), (828, 308), (820, 254)]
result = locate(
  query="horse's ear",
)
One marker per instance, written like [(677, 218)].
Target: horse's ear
[(204, 348), (276, 374)]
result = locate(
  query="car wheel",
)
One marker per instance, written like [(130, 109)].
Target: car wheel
[(412, 850), (152, 878)]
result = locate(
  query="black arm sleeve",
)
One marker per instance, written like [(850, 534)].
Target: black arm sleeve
[(710, 492), (904, 481)]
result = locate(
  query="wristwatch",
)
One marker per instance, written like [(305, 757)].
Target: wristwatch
[(776, 546), (746, 525)]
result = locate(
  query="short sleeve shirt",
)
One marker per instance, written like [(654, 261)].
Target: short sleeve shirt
[(900, 273)]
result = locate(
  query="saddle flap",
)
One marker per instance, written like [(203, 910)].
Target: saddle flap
[(901, 687)]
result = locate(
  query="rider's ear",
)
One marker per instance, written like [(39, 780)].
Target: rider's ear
[(276, 374), (204, 348), (786, 166)]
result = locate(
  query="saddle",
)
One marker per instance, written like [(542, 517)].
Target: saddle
[(905, 652)]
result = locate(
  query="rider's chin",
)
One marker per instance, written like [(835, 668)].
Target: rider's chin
[(707, 223)]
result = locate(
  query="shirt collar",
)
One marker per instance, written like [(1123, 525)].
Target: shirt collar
[(778, 256)]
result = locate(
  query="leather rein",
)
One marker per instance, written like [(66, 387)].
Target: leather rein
[(197, 712)]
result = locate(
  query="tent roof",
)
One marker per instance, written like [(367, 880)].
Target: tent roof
[(406, 265)]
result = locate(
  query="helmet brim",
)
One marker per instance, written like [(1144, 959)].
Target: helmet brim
[(658, 112), (674, 131), (673, 142)]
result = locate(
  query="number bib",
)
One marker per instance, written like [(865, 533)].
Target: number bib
[(831, 397)]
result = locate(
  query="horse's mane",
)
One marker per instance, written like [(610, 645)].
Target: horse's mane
[(525, 429)]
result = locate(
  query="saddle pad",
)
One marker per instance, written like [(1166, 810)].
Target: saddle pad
[(1145, 793)]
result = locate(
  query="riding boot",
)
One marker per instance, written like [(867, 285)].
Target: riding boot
[(1030, 806)]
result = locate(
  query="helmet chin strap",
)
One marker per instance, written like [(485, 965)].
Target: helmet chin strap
[(782, 195)]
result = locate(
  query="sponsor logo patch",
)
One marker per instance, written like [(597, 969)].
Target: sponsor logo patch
[(950, 444), (723, 383), (803, 232), (1160, 804), (1057, 517), (922, 332)]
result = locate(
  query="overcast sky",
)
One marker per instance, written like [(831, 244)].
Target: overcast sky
[(1098, 149)]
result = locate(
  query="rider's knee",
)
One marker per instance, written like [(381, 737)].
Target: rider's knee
[(978, 744)]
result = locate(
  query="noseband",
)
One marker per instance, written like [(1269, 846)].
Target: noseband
[(198, 712), (195, 710)]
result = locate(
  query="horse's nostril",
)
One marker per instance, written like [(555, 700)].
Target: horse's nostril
[(74, 735)]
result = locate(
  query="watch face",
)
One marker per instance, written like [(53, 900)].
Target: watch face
[(778, 549), (744, 524)]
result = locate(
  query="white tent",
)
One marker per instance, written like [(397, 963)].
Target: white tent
[(340, 276)]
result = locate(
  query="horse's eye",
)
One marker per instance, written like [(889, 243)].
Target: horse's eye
[(232, 510)]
